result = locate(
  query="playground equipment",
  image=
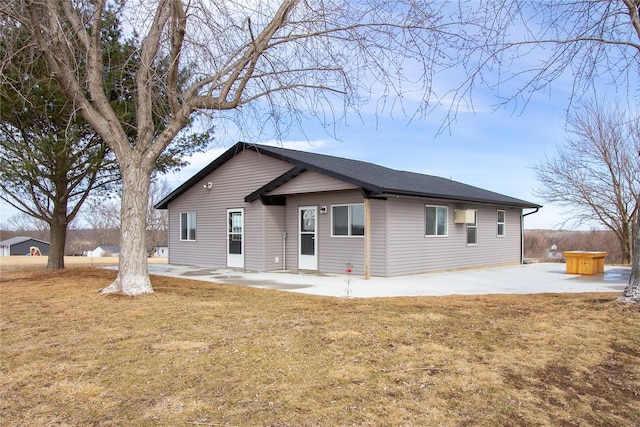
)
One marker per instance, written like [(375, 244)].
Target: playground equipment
[(34, 251)]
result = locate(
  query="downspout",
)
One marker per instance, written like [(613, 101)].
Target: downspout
[(522, 234)]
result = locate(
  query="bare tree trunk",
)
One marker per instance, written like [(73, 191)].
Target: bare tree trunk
[(631, 293), (57, 237), (626, 243), (133, 277)]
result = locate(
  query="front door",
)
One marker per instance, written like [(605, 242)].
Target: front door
[(307, 242), (235, 238)]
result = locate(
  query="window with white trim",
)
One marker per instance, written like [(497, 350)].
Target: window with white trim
[(436, 219), (472, 229), (347, 220), (501, 230), (188, 226)]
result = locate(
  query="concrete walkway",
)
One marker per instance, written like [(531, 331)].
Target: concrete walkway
[(524, 279)]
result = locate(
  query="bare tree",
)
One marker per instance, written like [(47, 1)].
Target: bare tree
[(250, 61), (631, 293), (103, 216), (22, 222), (532, 45), (597, 172)]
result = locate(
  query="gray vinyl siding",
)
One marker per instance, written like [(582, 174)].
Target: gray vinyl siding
[(231, 182), (333, 252), (410, 251), (311, 182), (398, 242), (254, 237), (379, 238), (274, 226)]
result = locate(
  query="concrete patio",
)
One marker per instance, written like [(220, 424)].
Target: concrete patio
[(520, 279)]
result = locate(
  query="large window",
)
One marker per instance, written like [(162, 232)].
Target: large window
[(188, 226), (472, 229), (436, 220), (501, 226), (347, 220)]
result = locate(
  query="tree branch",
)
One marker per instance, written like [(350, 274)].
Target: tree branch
[(177, 30), (144, 80)]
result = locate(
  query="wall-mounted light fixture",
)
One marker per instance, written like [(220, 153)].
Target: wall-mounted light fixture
[(208, 185)]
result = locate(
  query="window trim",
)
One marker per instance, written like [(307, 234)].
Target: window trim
[(473, 225), (446, 224), (349, 221), (503, 223), (190, 217)]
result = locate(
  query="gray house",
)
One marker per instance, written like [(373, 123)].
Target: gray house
[(265, 208), (22, 246)]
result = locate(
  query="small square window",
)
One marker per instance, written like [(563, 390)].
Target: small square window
[(188, 226), (347, 220), (436, 220)]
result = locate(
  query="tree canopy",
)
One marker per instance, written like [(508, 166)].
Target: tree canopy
[(51, 158)]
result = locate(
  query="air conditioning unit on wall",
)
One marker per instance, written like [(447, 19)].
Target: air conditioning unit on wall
[(464, 216)]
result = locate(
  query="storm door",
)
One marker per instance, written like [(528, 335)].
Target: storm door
[(307, 241), (235, 238)]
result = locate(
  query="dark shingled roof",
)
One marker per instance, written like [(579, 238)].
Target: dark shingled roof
[(17, 240), (374, 180)]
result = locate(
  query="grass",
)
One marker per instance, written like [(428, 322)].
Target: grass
[(196, 353)]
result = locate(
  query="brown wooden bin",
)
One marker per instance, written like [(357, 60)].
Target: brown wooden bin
[(584, 262)]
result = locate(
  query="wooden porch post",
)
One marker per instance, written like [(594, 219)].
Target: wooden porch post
[(367, 239)]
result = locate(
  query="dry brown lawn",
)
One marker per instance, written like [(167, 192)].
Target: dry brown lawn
[(196, 353), (14, 263)]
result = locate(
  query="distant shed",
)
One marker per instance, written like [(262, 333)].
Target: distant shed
[(104, 251), (22, 246)]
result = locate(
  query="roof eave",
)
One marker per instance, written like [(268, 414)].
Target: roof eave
[(514, 203)]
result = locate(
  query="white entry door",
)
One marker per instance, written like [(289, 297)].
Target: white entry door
[(235, 238), (307, 241)]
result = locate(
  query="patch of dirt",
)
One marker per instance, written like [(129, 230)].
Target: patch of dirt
[(616, 378)]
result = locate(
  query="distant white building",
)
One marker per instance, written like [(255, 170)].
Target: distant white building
[(103, 251), (161, 251)]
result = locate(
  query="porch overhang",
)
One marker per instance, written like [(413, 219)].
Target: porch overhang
[(261, 192)]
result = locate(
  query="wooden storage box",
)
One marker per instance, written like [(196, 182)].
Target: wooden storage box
[(584, 262)]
